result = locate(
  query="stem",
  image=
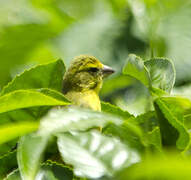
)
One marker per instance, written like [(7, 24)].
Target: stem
[(151, 48)]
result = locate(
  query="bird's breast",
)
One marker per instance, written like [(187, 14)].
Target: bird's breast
[(88, 99)]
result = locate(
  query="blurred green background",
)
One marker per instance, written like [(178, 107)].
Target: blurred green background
[(39, 31)]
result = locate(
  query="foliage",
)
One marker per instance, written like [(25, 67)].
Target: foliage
[(143, 131), (62, 141)]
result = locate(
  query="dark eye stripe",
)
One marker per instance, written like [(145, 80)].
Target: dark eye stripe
[(94, 69)]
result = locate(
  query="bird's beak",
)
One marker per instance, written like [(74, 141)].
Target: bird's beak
[(107, 71)]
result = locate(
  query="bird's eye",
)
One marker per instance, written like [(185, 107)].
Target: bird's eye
[(94, 69)]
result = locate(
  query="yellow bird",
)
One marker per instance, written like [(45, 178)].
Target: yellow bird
[(83, 81)]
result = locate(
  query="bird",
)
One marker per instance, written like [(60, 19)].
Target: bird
[(83, 80)]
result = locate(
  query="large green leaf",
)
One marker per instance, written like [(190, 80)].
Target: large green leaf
[(162, 73), (17, 116), (135, 67), (170, 111), (94, 155), (57, 120), (73, 118), (42, 76), (29, 155), (11, 131), (29, 98), (160, 167)]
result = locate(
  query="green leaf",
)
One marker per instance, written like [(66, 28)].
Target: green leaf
[(94, 155), (169, 167), (74, 118), (114, 110), (29, 155), (135, 67), (170, 111), (42, 76), (162, 73), (11, 131), (54, 94), (8, 163), (28, 98), (11, 103)]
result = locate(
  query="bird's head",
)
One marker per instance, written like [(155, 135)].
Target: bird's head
[(85, 73)]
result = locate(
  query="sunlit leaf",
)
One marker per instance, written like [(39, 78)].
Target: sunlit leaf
[(54, 94), (67, 119), (29, 98), (42, 76), (168, 167), (32, 101), (94, 155), (14, 130)]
